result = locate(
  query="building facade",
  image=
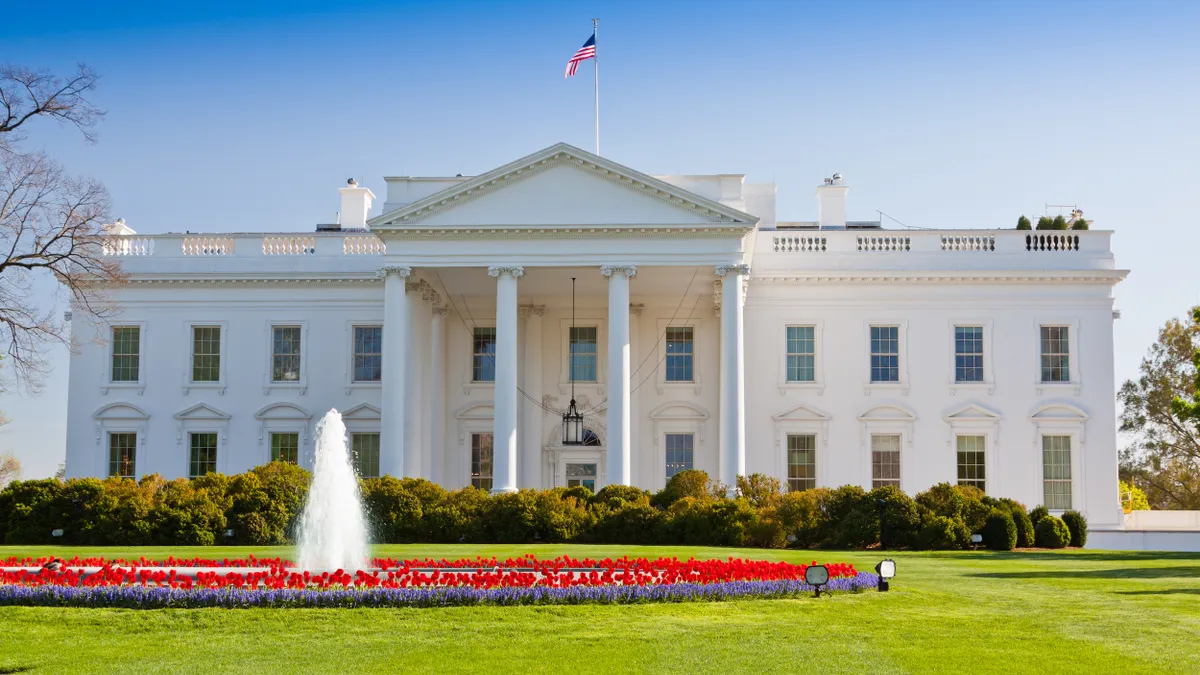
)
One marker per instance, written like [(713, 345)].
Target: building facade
[(693, 328)]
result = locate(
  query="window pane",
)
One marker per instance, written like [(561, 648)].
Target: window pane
[(1056, 472), (802, 461), (968, 353), (483, 360), (680, 454), (126, 353), (285, 447), (680, 351), (885, 461), (365, 450), (971, 461), (1056, 358), (583, 354), (206, 353), (203, 458), (801, 354), (885, 353), (481, 461), (286, 354), (122, 449)]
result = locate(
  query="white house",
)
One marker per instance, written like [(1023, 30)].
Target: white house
[(706, 334)]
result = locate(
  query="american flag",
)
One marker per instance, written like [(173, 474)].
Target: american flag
[(587, 51)]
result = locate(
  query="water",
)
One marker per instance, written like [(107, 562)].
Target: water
[(333, 529)]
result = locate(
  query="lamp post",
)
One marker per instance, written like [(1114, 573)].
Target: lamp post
[(816, 576), (886, 569)]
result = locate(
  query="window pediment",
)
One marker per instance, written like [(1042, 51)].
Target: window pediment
[(678, 411), (802, 413), (1061, 412), (476, 411), (282, 411), (362, 411), (120, 411), (888, 413), (972, 412), (201, 411)]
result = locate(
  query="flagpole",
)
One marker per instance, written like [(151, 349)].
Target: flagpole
[(596, 67)]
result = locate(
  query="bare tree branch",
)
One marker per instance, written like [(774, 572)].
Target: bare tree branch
[(27, 94)]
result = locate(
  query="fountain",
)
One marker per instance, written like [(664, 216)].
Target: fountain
[(333, 529)]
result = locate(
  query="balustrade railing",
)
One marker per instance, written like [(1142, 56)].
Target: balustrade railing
[(885, 243), (799, 244), (290, 245), (969, 243), (128, 246), (207, 246), (363, 244), (1052, 242)]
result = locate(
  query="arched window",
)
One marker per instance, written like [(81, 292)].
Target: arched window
[(590, 438)]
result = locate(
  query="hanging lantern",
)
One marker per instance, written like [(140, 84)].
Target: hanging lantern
[(572, 426)]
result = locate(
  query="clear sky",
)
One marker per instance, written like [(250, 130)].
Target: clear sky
[(247, 116)]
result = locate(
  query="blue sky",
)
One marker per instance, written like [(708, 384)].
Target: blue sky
[(247, 116)]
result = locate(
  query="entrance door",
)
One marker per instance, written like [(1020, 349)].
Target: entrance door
[(582, 474)]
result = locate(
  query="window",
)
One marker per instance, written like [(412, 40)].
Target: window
[(583, 475), (680, 350), (368, 353), (885, 353), (1056, 354), (583, 354), (481, 461), (885, 461), (203, 454), (679, 453), (970, 461), (285, 447), (968, 353), (802, 461), (206, 353), (285, 354), (365, 450), (483, 360), (1056, 472), (122, 449), (126, 353), (801, 354)]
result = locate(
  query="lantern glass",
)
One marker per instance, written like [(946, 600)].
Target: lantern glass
[(572, 426)]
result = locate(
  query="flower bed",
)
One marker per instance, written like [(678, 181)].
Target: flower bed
[(394, 583)]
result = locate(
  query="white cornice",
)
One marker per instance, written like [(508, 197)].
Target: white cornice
[(560, 154), (493, 232), (1099, 277)]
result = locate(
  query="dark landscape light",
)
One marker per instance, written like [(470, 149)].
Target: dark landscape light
[(886, 569), (816, 576)]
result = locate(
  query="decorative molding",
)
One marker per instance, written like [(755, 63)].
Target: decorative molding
[(564, 231), (736, 269), (636, 309), (630, 271), (924, 278), (284, 282), (440, 311), (403, 271), (516, 271)]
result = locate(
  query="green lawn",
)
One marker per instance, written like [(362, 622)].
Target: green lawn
[(1069, 612)]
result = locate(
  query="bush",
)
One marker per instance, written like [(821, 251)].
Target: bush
[(1024, 224), (999, 531), (802, 515), (1022, 521), (394, 514), (760, 489), (691, 483), (1052, 532), (1077, 525), (941, 533), (1037, 514), (899, 518)]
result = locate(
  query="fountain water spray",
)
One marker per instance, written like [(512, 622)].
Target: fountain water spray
[(333, 529)]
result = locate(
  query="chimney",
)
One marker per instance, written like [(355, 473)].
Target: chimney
[(831, 203), (356, 205)]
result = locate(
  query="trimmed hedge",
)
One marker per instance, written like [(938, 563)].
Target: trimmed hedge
[(262, 506), (1077, 525), (1052, 532)]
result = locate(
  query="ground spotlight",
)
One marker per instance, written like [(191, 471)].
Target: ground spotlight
[(816, 576), (886, 569)]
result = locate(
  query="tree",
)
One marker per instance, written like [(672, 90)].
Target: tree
[(1023, 223), (10, 469), (1159, 412), (50, 223), (1045, 223), (1079, 224), (1059, 223)]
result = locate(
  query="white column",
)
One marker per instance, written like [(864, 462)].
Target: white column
[(531, 423), (504, 471), (618, 372), (640, 476), (733, 397), (414, 391), (437, 396), (395, 348)]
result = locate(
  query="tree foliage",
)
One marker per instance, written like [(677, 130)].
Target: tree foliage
[(1024, 224)]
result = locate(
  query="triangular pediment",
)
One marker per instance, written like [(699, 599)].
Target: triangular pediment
[(802, 413), (201, 411), (888, 413), (562, 186), (282, 411), (678, 411), (972, 411), (362, 411)]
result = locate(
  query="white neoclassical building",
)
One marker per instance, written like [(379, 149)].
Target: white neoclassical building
[(705, 334)]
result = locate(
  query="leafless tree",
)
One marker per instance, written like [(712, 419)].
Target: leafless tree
[(10, 469), (50, 223)]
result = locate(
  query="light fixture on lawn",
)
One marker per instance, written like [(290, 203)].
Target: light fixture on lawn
[(572, 420), (816, 576), (886, 569)]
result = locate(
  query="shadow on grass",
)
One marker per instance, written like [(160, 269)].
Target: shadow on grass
[(1119, 573), (1067, 555), (5, 670), (1165, 591)]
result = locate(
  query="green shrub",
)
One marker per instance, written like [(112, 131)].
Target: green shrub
[(580, 493), (27, 513), (975, 506), (394, 513), (802, 515), (1037, 514), (691, 483), (627, 523), (859, 529), (457, 518), (762, 490), (941, 500), (899, 520), (1077, 525), (1022, 521), (1051, 532), (1024, 224), (999, 531), (942, 533)]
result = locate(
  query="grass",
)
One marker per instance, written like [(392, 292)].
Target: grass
[(1062, 612)]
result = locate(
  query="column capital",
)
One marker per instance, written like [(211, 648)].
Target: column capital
[(637, 309), (735, 269), (403, 271), (440, 311), (516, 271), (525, 311), (630, 271)]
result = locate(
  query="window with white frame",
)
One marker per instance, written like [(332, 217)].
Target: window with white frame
[(122, 455), (968, 354), (368, 353), (582, 475), (202, 457), (885, 353), (680, 353), (126, 353), (1056, 354), (206, 353), (1056, 472), (483, 354), (801, 462), (285, 446), (364, 448), (971, 465), (285, 353), (583, 355), (680, 453), (801, 354), (482, 461), (885, 460)]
